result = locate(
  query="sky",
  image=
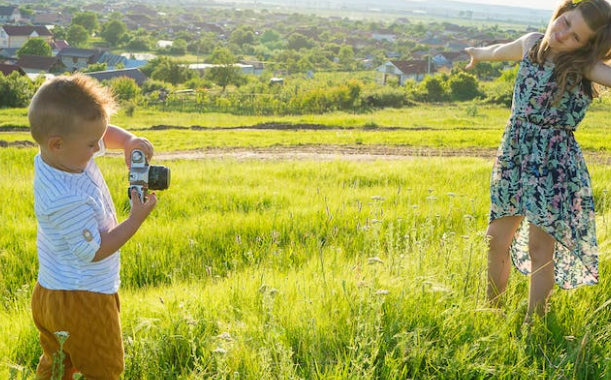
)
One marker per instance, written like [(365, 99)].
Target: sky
[(539, 4)]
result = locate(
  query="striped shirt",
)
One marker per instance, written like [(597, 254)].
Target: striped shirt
[(72, 209)]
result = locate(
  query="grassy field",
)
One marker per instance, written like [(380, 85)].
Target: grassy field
[(312, 269)]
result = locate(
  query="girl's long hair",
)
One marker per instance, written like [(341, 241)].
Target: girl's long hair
[(571, 66)]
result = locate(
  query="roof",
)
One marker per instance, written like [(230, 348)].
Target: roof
[(7, 69), (60, 44), (135, 74), (412, 66), (8, 52), (26, 30), (38, 62), (76, 52), (111, 60), (7, 10)]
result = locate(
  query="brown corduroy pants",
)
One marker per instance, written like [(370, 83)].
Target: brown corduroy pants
[(94, 346)]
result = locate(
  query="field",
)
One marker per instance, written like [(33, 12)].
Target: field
[(317, 247)]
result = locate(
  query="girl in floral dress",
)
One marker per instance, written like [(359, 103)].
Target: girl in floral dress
[(542, 210)]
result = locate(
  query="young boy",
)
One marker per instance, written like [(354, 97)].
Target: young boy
[(78, 233)]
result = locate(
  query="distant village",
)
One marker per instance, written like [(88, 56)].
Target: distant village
[(435, 51)]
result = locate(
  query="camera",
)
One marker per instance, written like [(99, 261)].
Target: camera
[(144, 177)]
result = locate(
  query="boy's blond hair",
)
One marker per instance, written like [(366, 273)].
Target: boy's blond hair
[(61, 103)]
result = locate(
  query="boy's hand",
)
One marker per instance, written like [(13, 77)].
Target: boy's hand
[(140, 143), (140, 211)]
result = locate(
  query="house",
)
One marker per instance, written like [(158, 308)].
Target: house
[(116, 62), (447, 58), (75, 58), (58, 45), (257, 66), (384, 35), (134, 74), (9, 14), (412, 69), (33, 64), (202, 67), (51, 18), (9, 53), (14, 36), (7, 69)]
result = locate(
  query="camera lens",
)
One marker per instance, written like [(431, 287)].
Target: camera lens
[(159, 177)]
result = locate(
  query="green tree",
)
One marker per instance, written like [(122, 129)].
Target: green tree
[(346, 57), (88, 20), (299, 41), (77, 35), (242, 35), (35, 46), (113, 31), (225, 73), (167, 70), (92, 68)]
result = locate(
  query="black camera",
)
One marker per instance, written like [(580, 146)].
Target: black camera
[(144, 177)]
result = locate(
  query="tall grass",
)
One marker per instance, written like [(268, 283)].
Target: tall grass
[(314, 270)]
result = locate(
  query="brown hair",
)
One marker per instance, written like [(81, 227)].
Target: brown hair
[(62, 102), (571, 66)]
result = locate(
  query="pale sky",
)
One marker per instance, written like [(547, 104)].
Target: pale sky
[(539, 4)]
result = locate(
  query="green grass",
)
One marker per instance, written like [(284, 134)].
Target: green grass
[(315, 269)]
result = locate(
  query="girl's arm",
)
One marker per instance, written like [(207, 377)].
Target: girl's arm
[(600, 74), (119, 138), (511, 51)]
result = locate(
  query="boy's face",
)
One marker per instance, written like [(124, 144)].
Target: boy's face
[(75, 150)]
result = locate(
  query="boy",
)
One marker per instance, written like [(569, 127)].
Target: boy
[(78, 233)]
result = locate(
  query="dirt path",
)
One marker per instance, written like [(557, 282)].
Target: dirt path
[(324, 153)]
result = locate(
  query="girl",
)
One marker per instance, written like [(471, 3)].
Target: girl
[(542, 210)]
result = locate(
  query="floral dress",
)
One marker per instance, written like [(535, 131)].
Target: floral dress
[(540, 173)]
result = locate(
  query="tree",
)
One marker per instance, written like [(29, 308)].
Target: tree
[(225, 73), (77, 35), (242, 35), (113, 31), (299, 41), (35, 46), (87, 20), (167, 70), (346, 57)]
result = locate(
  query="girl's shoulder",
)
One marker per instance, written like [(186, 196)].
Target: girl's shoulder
[(529, 40)]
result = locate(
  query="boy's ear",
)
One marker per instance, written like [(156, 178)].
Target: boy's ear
[(54, 143)]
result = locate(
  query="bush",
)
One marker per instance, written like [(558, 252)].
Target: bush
[(463, 86), (124, 88), (385, 97), (16, 90)]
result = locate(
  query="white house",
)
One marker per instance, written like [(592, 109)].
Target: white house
[(413, 69), (12, 36)]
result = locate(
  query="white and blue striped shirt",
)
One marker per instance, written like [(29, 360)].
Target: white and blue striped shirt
[(72, 209)]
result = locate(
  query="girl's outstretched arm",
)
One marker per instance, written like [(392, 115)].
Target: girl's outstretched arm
[(600, 74), (511, 51)]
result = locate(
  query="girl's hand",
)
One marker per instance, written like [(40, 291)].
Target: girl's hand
[(472, 52)]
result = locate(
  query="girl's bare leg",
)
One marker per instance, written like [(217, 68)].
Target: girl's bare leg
[(541, 250), (500, 233)]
